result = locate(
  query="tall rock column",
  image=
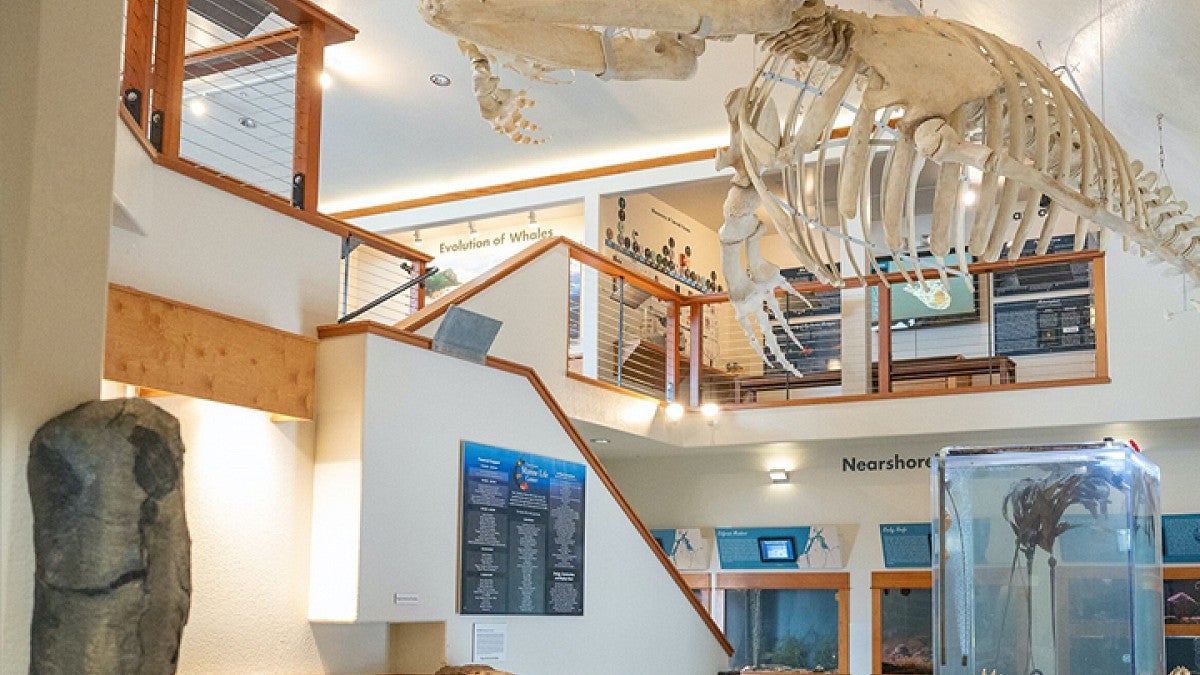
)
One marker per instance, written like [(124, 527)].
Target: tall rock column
[(113, 581)]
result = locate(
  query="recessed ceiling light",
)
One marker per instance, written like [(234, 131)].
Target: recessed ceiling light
[(440, 80), (599, 441), (198, 106), (248, 122)]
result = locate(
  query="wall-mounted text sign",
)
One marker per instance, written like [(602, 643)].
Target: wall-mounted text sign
[(1181, 538), (521, 546), (906, 545), (758, 548)]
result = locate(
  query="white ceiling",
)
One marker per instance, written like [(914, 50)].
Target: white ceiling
[(389, 134)]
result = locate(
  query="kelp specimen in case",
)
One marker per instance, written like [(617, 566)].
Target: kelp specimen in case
[(1084, 531), (1034, 510)]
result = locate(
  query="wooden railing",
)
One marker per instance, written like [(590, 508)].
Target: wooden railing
[(214, 49), (163, 55), (670, 367)]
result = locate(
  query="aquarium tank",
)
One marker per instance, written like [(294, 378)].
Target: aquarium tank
[(782, 629), (905, 643), (1047, 561)]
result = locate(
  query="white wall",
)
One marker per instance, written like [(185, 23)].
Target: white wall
[(206, 247), (58, 79), (418, 408), (729, 487), (248, 490)]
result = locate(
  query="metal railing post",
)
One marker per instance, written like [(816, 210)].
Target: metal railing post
[(620, 327)]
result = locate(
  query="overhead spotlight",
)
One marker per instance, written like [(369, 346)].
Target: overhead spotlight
[(440, 80), (471, 229), (416, 236), (778, 476), (532, 218), (674, 411), (970, 197), (248, 122), (710, 410)]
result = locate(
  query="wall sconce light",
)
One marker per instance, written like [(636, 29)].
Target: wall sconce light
[(778, 476), (674, 411)]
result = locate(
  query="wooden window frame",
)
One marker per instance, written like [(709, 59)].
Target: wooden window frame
[(790, 581), (887, 580)]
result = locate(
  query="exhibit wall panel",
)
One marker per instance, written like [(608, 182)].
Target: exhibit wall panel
[(185, 240), (532, 304), (419, 408), (730, 488)]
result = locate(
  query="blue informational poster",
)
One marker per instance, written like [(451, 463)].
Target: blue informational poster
[(764, 548), (1181, 538), (521, 546), (906, 545)]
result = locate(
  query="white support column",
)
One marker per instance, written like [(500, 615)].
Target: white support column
[(856, 329), (59, 63)]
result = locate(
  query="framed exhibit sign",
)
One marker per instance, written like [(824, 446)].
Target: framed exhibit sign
[(1181, 538), (521, 539), (763, 548), (906, 545)]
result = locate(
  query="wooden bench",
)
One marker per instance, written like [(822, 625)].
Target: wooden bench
[(951, 371)]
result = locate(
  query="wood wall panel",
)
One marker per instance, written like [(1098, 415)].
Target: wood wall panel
[(158, 343)]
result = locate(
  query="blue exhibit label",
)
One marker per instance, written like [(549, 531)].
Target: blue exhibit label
[(1181, 538), (906, 545), (738, 547)]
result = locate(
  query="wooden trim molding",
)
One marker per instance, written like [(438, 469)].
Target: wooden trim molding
[(881, 580), (555, 179), (278, 204), (241, 53), (157, 343), (783, 580), (477, 285), (902, 579), (407, 337), (138, 133), (575, 250), (529, 184), (600, 384), (1100, 303), (301, 11)]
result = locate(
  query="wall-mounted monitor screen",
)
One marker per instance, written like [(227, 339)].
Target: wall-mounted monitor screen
[(777, 549), (910, 311)]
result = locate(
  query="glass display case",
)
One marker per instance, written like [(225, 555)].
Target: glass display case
[(1047, 561), (902, 622), (1181, 610), (785, 623)]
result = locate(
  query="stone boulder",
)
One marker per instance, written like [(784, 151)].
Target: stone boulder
[(113, 582)]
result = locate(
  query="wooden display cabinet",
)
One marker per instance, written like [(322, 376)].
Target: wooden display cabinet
[(897, 648), (830, 590), (1181, 612)]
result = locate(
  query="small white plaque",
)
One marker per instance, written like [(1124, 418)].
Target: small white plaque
[(490, 643)]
